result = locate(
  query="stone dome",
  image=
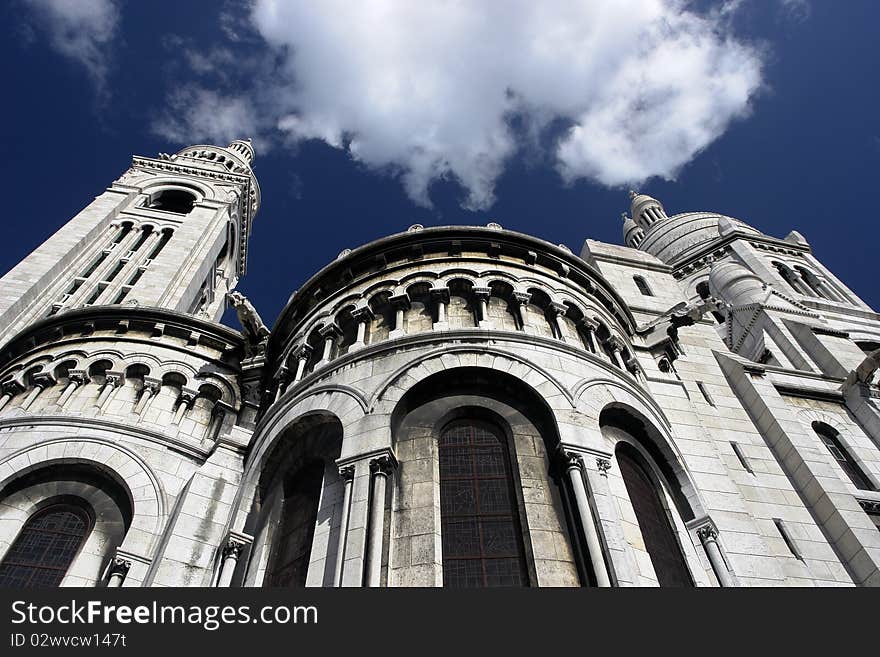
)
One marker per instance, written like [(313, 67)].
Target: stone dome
[(733, 283), (681, 235)]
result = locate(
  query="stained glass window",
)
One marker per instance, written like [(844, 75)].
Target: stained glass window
[(45, 548), (482, 537)]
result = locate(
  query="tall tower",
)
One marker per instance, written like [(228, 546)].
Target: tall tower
[(171, 232)]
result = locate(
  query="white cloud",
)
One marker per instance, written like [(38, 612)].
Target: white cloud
[(195, 114), (426, 89), (81, 30)]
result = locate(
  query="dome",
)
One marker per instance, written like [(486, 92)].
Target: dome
[(632, 233), (681, 235), (733, 283)]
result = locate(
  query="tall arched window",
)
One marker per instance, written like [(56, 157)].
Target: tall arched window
[(482, 537), (831, 440), (654, 522), (45, 547), (292, 543)]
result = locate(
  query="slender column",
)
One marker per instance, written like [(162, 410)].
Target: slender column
[(112, 380), (184, 403), (363, 316), (616, 347), (282, 380), (709, 538), (347, 474), (441, 295), (303, 354), (229, 560), (522, 299), (380, 470), (42, 380), (589, 326), (557, 310), (400, 303), (218, 414), (118, 570), (150, 390), (75, 379), (574, 465), (10, 389), (331, 333), (482, 294)]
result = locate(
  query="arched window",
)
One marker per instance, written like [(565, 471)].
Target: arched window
[(482, 538), (178, 201), (642, 284), (292, 544), (653, 518), (45, 548), (831, 440)]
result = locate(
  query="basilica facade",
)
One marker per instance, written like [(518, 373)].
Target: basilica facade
[(460, 406)]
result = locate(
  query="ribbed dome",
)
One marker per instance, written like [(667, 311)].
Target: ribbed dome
[(733, 283), (632, 233), (682, 234)]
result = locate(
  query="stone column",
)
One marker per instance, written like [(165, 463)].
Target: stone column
[(709, 538), (111, 381), (42, 380), (400, 303), (347, 474), (303, 354), (151, 389), (184, 403), (119, 568), (441, 295), (363, 316), (331, 333), (218, 414), (380, 471), (10, 389), (521, 299), (589, 326), (616, 346), (75, 379), (574, 467), (228, 561), (282, 379), (557, 310), (482, 295)]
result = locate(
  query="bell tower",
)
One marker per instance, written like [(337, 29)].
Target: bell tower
[(172, 232)]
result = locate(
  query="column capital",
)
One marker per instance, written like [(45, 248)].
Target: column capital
[(330, 330), (363, 314), (303, 351), (383, 465), (603, 464), (484, 292), (119, 566), (233, 547), (115, 379), (522, 298), (614, 343), (400, 301), (152, 384), (44, 379), (440, 293), (12, 387), (556, 308), (188, 395), (569, 459), (707, 533), (346, 472), (79, 377)]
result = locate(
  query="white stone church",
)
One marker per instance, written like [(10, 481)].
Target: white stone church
[(450, 406)]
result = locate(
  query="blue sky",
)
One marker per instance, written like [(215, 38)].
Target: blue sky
[(367, 121)]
